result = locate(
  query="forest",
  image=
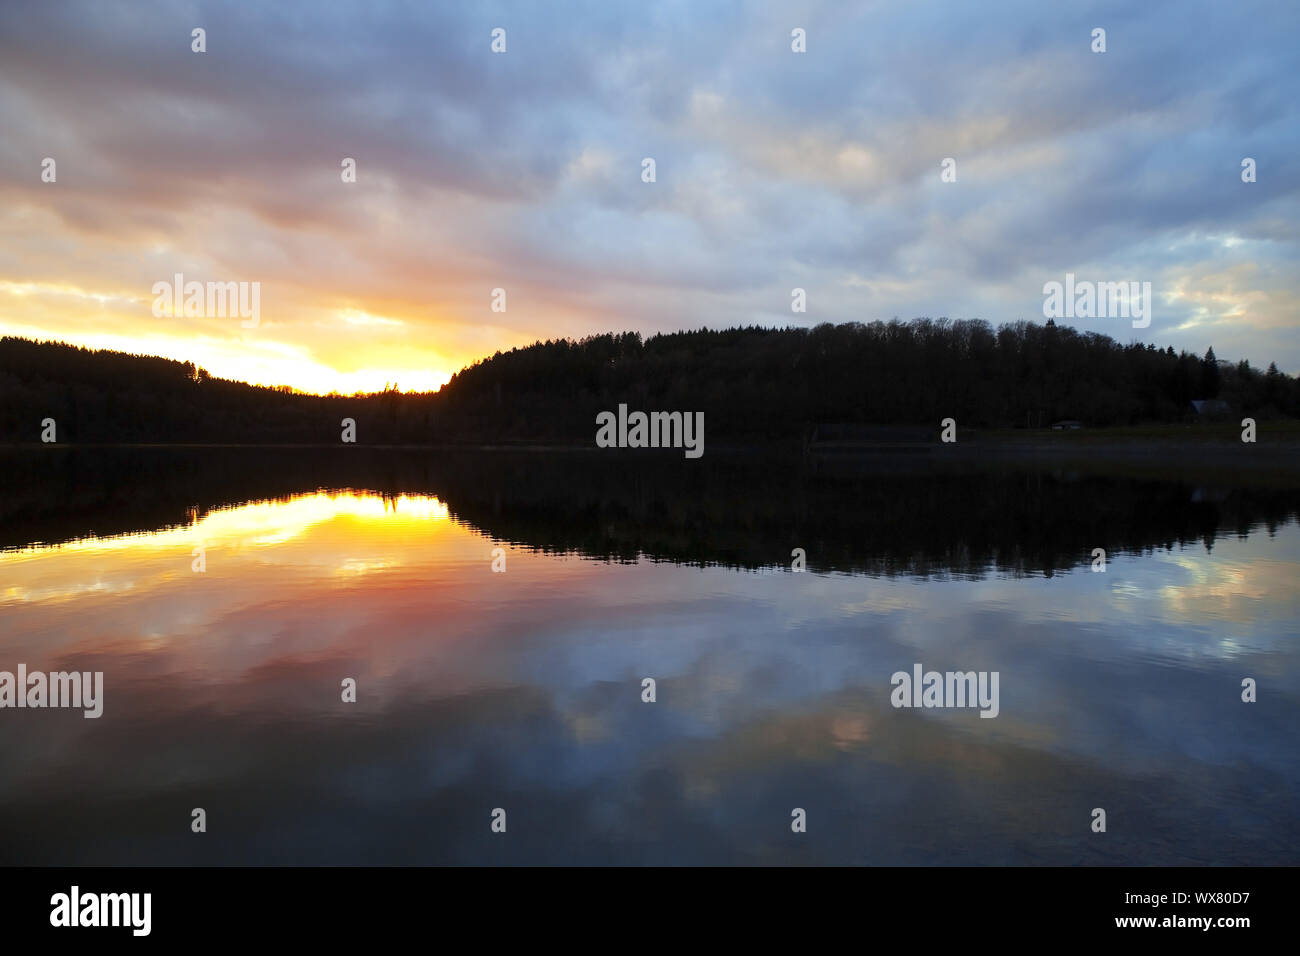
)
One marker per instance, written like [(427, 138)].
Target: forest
[(752, 384)]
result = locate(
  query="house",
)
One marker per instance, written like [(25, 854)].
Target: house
[(1210, 408), (1068, 425)]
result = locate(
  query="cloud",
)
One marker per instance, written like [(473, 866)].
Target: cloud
[(522, 170)]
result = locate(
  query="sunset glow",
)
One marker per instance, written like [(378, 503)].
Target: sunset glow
[(522, 172)]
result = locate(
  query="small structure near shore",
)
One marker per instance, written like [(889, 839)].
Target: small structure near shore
[(1211, 409), (1068, 425)]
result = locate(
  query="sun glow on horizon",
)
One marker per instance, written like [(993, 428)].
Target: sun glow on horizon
[(252, 358)]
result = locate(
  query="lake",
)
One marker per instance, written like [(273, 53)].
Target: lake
[(500, 612)]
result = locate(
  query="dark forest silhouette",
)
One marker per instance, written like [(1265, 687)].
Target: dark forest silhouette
[(751, 383)]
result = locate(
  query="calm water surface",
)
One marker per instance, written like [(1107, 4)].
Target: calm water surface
[(522, 690)]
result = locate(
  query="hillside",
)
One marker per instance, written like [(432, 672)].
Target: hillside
[(752, 384)]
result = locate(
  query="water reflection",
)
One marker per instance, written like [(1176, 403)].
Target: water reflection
[(522, 690)]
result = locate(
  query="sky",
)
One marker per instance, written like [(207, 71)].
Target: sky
[(523, 170)]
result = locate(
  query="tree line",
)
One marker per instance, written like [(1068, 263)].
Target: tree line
[(751, 383)]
